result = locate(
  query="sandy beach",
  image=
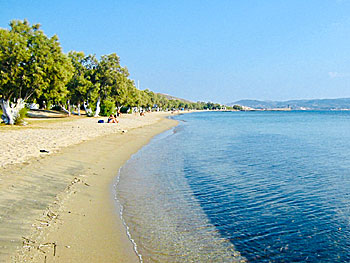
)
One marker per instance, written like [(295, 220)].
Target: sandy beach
[(19, 144), (57, 206)]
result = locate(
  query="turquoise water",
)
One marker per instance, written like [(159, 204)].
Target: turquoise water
[(242, 186)]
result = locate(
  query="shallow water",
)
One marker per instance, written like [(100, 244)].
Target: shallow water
[(236, 186)]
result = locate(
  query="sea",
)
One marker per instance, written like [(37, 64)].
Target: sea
[(241, 187)]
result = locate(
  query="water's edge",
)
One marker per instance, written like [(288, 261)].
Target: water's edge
[(121, 208), (115, 184)]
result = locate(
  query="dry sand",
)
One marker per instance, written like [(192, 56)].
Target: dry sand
[(60, 205), (19, 144)]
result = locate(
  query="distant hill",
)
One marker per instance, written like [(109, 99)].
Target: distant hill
[(169, 97), (315, 104)]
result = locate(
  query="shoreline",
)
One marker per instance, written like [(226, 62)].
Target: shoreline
[(71, 188)]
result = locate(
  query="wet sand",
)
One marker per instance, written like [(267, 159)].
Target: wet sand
[(60, 206)]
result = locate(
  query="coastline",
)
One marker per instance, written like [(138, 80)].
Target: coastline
[(72, 190)]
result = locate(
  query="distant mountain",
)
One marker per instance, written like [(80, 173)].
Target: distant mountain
[(315, 104)]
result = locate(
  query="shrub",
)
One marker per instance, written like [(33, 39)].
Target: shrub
[(107, 108), (22, 114), (124, 109)]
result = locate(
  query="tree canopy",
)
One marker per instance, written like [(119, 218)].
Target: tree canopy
[(34, 69), (31, 63)]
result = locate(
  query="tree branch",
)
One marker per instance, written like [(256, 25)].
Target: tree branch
[(27, 96)]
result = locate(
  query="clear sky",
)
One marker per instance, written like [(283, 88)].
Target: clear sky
[(222, 50)]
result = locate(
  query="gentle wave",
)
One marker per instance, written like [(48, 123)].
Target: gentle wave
[(121, 209)]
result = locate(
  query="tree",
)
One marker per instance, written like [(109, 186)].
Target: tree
[(105, 78), (30, 62), (125, 92), (91, 65), (59, 70), (79, 84)]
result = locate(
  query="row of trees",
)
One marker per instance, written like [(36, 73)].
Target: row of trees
[(35, 70)]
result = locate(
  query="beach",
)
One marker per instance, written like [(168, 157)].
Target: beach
[(57, 203)]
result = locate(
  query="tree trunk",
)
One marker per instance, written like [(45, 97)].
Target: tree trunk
[(69, 110), (78, 108), (7, 115), (73, 110), (65, 110), (87, 110), (11, 113), (97, 112)]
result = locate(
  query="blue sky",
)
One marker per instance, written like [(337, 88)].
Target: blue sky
[(221, 51)]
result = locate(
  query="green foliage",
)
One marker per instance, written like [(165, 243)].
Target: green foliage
[(34, 68), (107, 107), (124, 109), (237, 107), (31, 63), (22, 114)]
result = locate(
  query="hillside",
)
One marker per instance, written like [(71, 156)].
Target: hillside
[(170, 97)]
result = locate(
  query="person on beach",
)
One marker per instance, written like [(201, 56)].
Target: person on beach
[(112, 119)]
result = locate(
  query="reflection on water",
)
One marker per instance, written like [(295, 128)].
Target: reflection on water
[(272, 185)]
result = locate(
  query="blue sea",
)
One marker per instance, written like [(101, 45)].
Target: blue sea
[(242, 187)]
